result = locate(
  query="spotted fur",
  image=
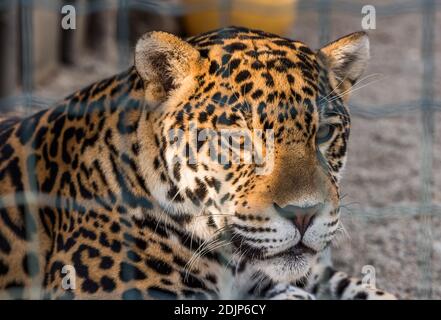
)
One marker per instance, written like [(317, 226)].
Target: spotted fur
[(94, 182)]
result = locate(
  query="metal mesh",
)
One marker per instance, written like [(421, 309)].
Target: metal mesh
[(426, 104)]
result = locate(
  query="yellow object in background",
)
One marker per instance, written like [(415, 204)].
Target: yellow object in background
[(275, 16)]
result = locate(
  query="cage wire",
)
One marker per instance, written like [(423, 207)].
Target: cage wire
[(426, 105)]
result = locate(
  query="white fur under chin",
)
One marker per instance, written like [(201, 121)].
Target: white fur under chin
[(284, 270)]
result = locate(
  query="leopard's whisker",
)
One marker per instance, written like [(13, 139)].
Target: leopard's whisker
[(198, 252), (354, 88)]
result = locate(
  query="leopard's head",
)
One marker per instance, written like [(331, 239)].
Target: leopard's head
[(251, 132)]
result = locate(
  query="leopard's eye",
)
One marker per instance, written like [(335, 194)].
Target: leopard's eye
[(324, 133)]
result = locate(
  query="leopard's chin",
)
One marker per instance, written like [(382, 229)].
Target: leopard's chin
[(286, 267)]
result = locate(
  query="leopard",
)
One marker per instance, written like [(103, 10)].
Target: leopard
[(209, 169)]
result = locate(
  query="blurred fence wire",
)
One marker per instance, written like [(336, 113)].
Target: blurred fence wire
[(426, 104)]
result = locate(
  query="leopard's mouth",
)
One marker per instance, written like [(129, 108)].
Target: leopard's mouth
[(251, 252), (294, 252)]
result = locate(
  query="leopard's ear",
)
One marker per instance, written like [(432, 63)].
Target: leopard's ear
[(347, 57), (164, 62)]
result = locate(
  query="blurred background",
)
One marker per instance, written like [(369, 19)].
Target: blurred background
[(391, 186)]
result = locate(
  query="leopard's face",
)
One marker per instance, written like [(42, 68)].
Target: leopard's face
[(252, 137)]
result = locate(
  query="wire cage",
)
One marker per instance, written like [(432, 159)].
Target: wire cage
[(321, 16)]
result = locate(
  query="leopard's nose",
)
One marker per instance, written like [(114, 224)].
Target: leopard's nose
[(302, 217)]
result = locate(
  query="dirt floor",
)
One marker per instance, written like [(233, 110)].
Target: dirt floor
[(385, 155)]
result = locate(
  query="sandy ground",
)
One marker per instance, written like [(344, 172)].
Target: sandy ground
[(385, 156)]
